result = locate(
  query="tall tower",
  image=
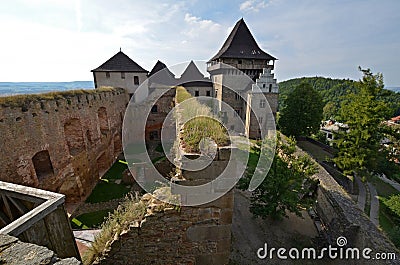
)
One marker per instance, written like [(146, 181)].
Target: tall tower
[(240, 54)]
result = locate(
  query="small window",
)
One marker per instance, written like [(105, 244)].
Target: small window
[(122, 75), (136, 80), (260, 120), (262, 103), (270, 88), (237, 112), (239, 61), (196, 93), (154, 109), (208, 93), (107, 74), (237, 96), (263, 85)]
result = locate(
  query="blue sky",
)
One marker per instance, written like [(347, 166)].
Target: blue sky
[(48, 40)]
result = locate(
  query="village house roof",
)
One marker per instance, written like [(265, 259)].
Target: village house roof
[(241, 44), (120, 62)]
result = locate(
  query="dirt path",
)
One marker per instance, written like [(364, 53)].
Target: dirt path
[(249, 234)]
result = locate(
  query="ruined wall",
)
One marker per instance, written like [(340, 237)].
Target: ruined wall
[(194, 235), (341, 217), (198, 235), (63, 143)]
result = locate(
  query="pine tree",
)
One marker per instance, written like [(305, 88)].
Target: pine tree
[(363, 112)]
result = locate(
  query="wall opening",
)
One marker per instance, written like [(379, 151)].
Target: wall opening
[(103, 120), (74, 136), (117, 145), (102, 164), (42, 164)]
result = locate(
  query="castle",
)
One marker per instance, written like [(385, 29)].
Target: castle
[(240, 55), (64, 142)]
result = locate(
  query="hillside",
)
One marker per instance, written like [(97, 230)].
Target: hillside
[(332, 91)]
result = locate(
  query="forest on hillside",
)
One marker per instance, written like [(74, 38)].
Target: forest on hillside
[(332, 92)]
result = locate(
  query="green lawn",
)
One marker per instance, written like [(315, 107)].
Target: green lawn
[(90, 220), (115, 172), (106, 190), (384, 189)]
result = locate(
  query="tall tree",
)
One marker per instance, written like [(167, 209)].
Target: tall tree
[(363, 112), (287, 186), (302, 113)]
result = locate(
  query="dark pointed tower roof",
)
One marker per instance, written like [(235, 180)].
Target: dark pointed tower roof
[(193, 77), (159, 66), (161, 75), (120, 62), (241, 44), (191, 73)]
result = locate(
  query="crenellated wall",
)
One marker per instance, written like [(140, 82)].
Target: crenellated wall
[(61, 142)]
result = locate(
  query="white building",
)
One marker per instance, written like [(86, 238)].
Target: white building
[(120, 71)]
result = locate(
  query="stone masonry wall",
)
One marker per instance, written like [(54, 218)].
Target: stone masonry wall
[(13, 251), (191, 235), (341, 217), (62, 144)]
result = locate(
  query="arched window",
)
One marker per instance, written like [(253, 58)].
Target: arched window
[(42, 164)]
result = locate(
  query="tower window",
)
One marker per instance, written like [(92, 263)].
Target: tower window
[(107, 74), (262, 103), (136, 80), (122, 75)]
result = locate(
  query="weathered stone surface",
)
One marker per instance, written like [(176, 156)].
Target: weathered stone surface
[(13, 251), (62, 144)]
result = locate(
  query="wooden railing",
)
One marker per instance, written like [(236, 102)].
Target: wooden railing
[(36, 216)]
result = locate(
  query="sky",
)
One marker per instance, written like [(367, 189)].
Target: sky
[(62, 40)]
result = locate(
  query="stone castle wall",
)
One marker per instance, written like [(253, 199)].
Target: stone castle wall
[(192, 235), (63, 143), (342, 217)]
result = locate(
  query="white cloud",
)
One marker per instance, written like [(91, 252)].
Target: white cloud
[(253, 5)]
